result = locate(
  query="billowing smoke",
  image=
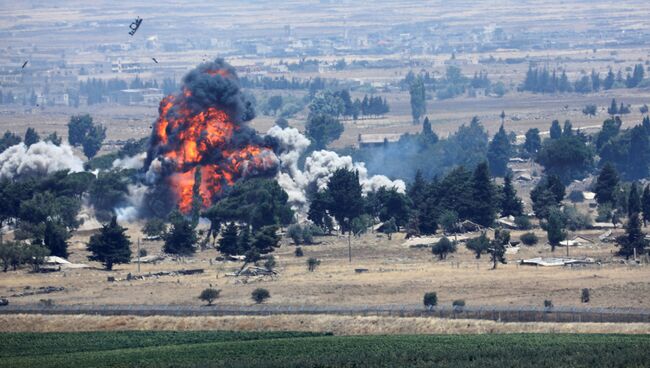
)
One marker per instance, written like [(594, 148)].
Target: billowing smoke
[(135, 200), (201, 141), (130, 162), (318, 168), (41, 158)]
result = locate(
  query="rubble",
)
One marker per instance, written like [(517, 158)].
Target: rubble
[(41, 290)]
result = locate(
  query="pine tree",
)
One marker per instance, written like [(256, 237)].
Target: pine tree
[(498, 153), (613, 108), (638, 154), (645, 205), (606, 184), (483, 211), (111, 246), (31, 137), (228, 244), (511, 205), (533, 141), (633, 201), (55, 238), (497, 248), (556, 130)]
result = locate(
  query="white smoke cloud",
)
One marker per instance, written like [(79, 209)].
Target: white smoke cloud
[(135, 199), (133, 162), (319, 167), (41, 158)]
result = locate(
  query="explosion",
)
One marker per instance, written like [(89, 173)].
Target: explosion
[(201, 142)]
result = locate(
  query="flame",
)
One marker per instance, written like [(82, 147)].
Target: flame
[(203, 140)]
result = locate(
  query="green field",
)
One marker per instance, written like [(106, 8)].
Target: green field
[(250, 349)]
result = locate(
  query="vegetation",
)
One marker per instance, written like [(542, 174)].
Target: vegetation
[(529, 239), (312, 263), (259, 295), (209, 295), (442, 248), (82, 132), (111, 246), (430, 299)]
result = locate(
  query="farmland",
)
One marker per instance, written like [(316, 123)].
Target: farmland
[(222, 349)]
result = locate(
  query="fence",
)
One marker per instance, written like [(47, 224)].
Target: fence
[(502, 314)]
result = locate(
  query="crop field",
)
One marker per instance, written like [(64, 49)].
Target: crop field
[(230, 349)]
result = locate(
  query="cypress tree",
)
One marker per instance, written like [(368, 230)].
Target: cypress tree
[(483, 210), (511, 205), (228, 242), (55, 238), (180, 239), (633, 238), (633, 201), (645, 205), (498, 153), (556, 130), (555, 228), (606, 184)]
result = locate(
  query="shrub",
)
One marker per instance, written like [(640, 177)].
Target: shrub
[(548, 304), (529, 239), (458, 303), (270, 263), (312, 263), (294, 232), (298, 252), (316, 230), (585, 295), (430, 299), (259, 295), (46, 302), (443, 248), (307, 235), (209, 295), (523, 223), (143, 252)]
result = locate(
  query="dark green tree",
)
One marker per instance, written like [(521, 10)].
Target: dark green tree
[(111, 246), (55, 238), (483, 197), (266, 240), (154, 227), (497, 248), (638, 154), (418, 99), (478, 245), (568, 157), (511, 205), (31, 137), (228, 244), (181, 237), (606, 184), (555, 228), (443, 247), (8, 139), (499, 152), (613, 108), (344, 192), (634, 240), (556, 130), (533, 141), (93, 141), (323, 129), (633, 200), (54, 139)]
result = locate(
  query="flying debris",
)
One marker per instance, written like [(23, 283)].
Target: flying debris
[(25, 64), (135, 25), (154, 60)]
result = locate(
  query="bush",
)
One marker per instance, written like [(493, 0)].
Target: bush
[(576, 220), (294, 232), (523, 223), (154, 227), (529, 239), (142, 253), (298, 252), (585, 295), (307, 235), (209, 295), (443, 248), (548, 304), (458, 305), (312, 263), (259, 295), (430, 299)]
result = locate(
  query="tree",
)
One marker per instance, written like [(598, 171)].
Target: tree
[(270, 263), (54, 139), (430, 300), (389, 228), (323, 129), (266, 240), (478, 245), (483, 210), (312, 263), (344, 192), (633, 201), (275, 103), (448, 220), (108, 191), (511, 205), (533, 141), (245, 239), (228, 244), (645, 204), (633, 242), (606, 184), (31, 137), (93, 141), (568, 157), (154, 227), (282, 123), (443, 247), (294, 231), (644, 109), (34, 255), (556, 130), (8, 139), (209, 295), (638, 154), (590, 110), (497, 249), (418, 99), (499, 152), (613, 108), (181, 237), (10, 254), (259, 295), (111, 246), (78, 128), (555, 228), (56, 238)]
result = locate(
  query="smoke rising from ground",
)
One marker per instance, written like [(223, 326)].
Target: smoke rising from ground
[(319, 167), (41, 158)]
